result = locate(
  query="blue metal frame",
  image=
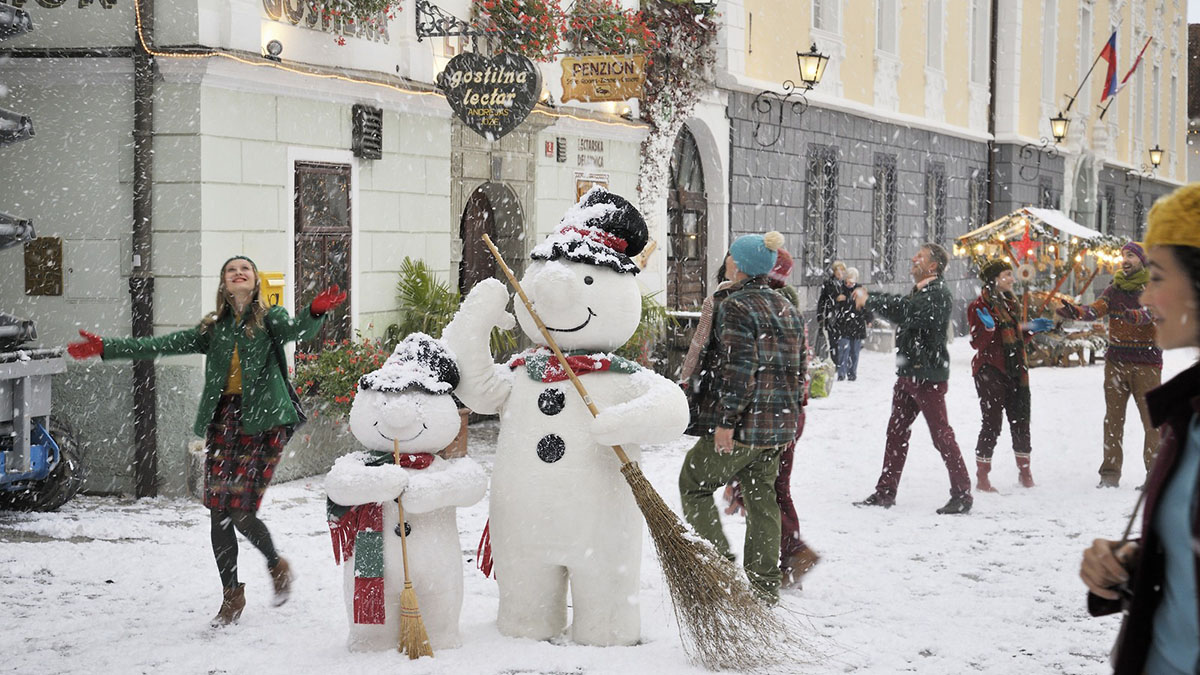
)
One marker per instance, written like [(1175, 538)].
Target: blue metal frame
[(44, 455)]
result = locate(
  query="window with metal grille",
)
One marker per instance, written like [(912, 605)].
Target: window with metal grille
[(883, 219), (935, 202), (1047, 195), (367, 137), (1110, 210), (1139, 217), (820, 217), (322, 244), (977, 199)]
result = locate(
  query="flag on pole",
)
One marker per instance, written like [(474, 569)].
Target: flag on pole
[(1136, 62), (1109, 53)]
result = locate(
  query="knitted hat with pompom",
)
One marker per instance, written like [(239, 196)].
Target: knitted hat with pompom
[(1174, 220), (755, 254)]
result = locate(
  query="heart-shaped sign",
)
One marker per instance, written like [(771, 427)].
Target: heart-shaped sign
[(491, 96)]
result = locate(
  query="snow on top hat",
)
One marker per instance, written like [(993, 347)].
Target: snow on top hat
[(418, 362), (601, 229)]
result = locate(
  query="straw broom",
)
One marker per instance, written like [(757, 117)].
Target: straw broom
[(721, 622), (414, 641)]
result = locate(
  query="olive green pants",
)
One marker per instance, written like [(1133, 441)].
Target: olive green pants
[(1122, 380), (705, 471)]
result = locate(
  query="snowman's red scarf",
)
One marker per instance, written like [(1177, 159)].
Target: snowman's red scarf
[(357, 532), (542, 365)]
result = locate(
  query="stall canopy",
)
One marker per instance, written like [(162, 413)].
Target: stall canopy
[(1050, 222)]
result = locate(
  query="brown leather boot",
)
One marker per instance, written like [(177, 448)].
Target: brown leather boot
[(281, 577), (1025, 476), (797, 565), (982, 483), (232, 604)]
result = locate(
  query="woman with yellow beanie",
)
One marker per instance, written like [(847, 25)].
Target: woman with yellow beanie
[(1154, 578)]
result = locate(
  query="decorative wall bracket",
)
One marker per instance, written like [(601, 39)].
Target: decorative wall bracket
[(1046, 148), (1143, 173), (769, 105), (433, 21)]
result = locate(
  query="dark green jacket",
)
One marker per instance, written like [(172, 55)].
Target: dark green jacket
[(265, 399), (922, 320)]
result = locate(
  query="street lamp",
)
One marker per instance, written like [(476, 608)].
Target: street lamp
[(1058, 127), (1156, 154), (769, 104), (812, 66)]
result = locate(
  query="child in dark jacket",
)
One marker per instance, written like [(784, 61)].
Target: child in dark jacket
[(851, 327)]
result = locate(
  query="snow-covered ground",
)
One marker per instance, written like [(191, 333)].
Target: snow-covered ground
[(111, 585)]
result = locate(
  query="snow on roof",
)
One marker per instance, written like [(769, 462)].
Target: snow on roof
[(1012, 226)]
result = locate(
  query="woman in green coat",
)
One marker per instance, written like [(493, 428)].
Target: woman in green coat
[(245, 410)]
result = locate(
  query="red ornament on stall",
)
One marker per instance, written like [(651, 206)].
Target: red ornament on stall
[(1024, 246)]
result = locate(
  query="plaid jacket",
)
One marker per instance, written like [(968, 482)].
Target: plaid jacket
[(762, 382)]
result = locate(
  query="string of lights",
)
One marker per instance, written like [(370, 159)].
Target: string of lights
[(207, 53)]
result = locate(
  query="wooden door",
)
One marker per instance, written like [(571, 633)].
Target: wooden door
[(477, 262), (687, 213), (322, 244)]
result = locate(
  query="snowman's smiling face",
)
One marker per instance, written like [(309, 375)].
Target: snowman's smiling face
[(583, 306), (418, 421)]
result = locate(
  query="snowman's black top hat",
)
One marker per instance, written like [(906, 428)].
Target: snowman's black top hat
[(602, 229), (418, 362)]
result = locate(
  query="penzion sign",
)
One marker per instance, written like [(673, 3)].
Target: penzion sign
[(491, 96)]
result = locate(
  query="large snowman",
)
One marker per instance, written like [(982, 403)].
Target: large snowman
[(408, 399), (561, 512)]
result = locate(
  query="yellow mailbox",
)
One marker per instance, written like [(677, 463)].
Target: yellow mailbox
[(272, 287)]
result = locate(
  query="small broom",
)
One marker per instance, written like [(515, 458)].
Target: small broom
[(721, 622), (414, 641)]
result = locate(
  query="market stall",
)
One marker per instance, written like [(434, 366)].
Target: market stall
[(1052, 255)]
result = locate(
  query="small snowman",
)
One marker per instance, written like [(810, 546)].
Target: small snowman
[(408, 400), (561, 514)]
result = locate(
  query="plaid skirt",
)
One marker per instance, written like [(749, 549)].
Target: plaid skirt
[(237, 466)]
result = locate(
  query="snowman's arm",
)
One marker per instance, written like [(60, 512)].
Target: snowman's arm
[(483, 386), (351, 482), (656, 412), (455, 482)]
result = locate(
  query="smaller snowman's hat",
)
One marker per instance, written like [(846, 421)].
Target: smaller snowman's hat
[(602, 229), (418, 362)]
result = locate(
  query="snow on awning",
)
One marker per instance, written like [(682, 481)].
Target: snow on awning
[(1052, 222)]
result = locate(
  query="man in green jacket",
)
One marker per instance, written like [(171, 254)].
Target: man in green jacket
[(922, 319)]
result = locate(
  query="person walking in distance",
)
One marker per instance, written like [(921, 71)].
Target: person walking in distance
[(999, 369), (1132, 361), (922, 319), (833, 291), (244, 412)]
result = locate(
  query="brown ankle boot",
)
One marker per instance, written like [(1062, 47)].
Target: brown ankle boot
[(797, 565), (281, 577), (232, 604), (1026, 477), (982, 483)]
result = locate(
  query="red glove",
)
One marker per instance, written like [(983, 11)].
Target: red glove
[(91, 346), (326, 300)]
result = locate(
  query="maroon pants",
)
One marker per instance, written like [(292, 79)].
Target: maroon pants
[(909, 398), (999, 394), (790, 542)]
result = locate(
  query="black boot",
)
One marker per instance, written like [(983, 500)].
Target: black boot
[(957, 505), (877, 499)]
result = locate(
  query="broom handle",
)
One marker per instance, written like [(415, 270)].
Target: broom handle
[(587, 399), (400, 509), (1089, 281)]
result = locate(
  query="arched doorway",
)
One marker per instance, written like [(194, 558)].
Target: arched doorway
[(492, 209), (687, 215)]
